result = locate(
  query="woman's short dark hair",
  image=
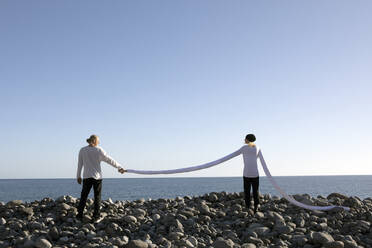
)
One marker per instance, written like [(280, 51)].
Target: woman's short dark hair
[(250, 137), (92, 138)]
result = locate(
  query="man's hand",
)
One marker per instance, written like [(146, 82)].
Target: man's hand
[(79, 180), (121, 170)]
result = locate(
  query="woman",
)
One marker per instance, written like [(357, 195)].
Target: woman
[(250, 173), (90, 158)]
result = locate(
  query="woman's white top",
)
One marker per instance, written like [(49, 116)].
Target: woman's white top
[(90, 158), (250, 157)]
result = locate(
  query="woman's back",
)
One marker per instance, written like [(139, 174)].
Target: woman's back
[(250, 156)]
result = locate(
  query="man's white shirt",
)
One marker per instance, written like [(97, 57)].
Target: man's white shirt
[(90, 157)]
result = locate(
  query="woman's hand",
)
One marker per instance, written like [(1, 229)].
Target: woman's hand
[(79, 180), (121, 170)]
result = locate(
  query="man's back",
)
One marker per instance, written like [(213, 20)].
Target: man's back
[(90, 158)]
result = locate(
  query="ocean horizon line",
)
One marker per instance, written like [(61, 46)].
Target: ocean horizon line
[(151, 177)]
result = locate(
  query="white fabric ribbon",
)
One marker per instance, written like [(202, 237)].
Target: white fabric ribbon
[(186, 169), (289, 198), (234, 154)]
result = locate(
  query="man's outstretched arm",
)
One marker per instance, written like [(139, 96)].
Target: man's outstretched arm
[(105, 158)]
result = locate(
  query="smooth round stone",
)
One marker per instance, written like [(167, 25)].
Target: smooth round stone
[(90, 227), (299, 240), (351, 244), (248, 245), (322, 238), (255, 225), (193, 241), (81, 235), (15, 203), (276, 216), (259, 215), (43, 243), (130, 219), (321, 226), (29, 243), (119, 242), (61, 199), (156, 217), (36, 225), (90, 236), (137, 244), (308, 246), (87, 219), (2, 221), (204, 209), (27, 211), (254, 240), (91, 245), (221, 243), (261, 230), (140, 212), (175, 235), (64, 206), (335, 244), (71, 199), (213, 197), (54, 233), (140, 201), (337, 195), (283, 229), (64, 239), (125, 239), (186, 243)]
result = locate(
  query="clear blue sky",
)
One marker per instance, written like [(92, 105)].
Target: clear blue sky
[(168, 84)]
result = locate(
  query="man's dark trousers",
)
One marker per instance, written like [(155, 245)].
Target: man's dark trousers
[(97, 187)]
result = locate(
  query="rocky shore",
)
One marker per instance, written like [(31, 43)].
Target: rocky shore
[(218, 220)]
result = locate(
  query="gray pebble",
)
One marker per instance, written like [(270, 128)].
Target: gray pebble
[(29, 243), (222, 243), (64, 206), (137, 244), (334, 244), (248, 245), (130, 219), (43, 243), (64, 239), (54, 233), (2, 221), (321, 238)]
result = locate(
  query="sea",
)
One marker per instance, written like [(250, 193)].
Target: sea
[(29, 190)]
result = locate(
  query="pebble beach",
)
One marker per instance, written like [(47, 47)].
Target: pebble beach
[(218, 220)]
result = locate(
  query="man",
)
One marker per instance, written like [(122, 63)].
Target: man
[(90, 158)]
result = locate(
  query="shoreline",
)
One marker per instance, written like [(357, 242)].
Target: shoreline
[(212, 220)]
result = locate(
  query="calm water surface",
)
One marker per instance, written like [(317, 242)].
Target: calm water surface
[(154, 188)]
